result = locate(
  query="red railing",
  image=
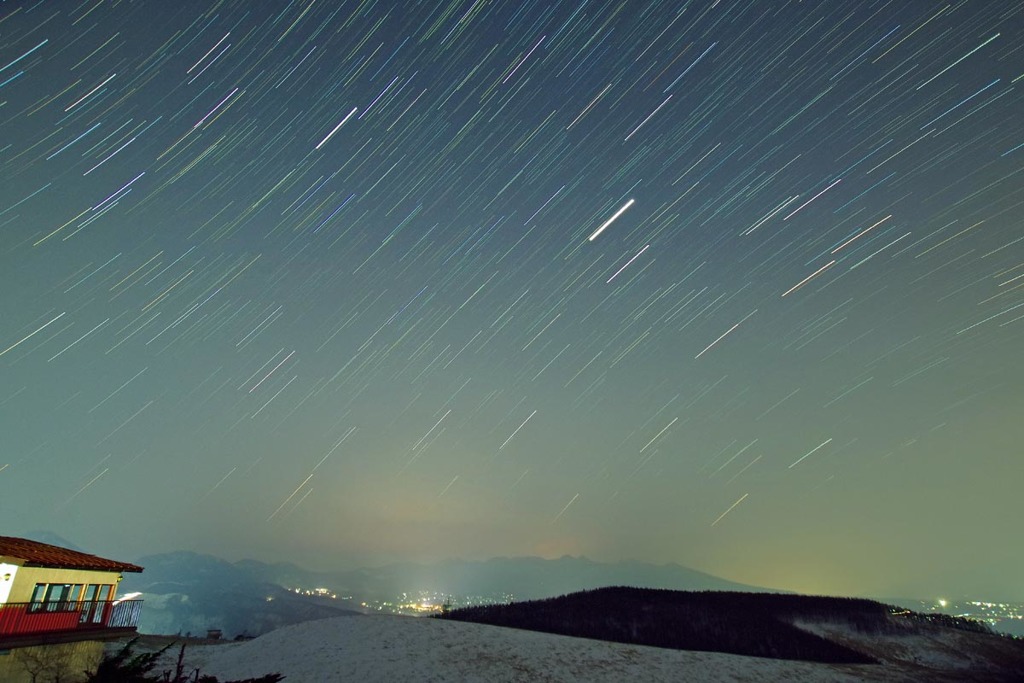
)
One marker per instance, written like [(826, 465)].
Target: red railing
[(27, 618)]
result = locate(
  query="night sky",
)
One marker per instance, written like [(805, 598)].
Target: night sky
[(738, 285)]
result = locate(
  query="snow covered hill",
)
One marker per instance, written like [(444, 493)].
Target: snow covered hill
[(395, 648)]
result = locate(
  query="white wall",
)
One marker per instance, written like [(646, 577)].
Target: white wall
[(5, 584)]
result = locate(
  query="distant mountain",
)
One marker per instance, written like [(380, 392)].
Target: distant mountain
[(52, 539), (523, 578), (185, 592)]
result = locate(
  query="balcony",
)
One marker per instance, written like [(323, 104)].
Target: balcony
[(28, 623)]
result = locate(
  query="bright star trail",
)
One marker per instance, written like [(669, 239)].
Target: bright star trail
[(530, 274)]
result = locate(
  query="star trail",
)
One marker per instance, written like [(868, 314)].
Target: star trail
[(362, 281)]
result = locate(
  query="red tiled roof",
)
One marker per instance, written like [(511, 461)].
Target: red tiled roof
[(36, 554)]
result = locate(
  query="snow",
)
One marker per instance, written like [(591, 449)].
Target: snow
[(921, 647), (394, 648)]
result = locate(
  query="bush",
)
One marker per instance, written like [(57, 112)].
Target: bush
[(127, 666)]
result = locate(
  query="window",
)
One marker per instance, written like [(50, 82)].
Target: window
[(55, 597), (95, 602), (37, 597)]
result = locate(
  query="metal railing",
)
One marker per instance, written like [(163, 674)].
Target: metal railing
[(124, 614), (25, 618)]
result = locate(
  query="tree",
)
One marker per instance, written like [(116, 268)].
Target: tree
[(126, 666), (47, 664)]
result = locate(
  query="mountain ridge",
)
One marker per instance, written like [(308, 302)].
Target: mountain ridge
[(524, 575), (186, 591)]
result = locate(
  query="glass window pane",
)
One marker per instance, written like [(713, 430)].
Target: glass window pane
[(56, 591), (55, 595)]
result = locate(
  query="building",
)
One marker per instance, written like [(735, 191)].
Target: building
[(50, 594)]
